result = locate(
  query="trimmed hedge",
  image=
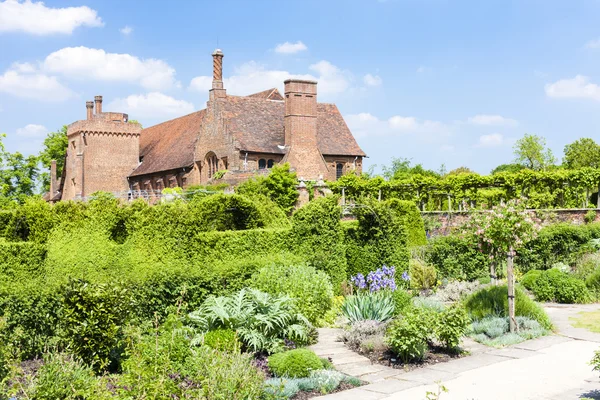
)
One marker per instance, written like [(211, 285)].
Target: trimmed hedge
[(411, 218), (455, 257)]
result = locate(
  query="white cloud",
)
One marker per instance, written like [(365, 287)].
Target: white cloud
[(422, 69), (126, 30), (290, 48), (152, 105), (372, 80), (484, 119), (37, 19), (366, 124), (593, 44), (253, 77), (579, 87), (32, 131), (86, 63), (491, 140), (22, 80)]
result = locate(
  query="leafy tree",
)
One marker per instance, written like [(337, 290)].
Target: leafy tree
[(461, 170), (55, 148), (280, 186), (17, 175), (401, 169), (511, 168), (584, 152), (531, 152)]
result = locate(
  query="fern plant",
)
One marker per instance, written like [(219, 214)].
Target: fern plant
[(262, 322)]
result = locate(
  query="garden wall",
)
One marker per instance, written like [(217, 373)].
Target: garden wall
[(441, 223)]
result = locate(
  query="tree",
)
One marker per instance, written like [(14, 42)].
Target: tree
[(18, 175), (401, 169), (511, 168), (55, 148), (500, 232), (461, 170), (531, 152), (584, 152), (280, 186)]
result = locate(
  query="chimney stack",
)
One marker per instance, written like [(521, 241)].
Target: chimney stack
[(217, 83), (89, 105), (53, 175), (300, 123), (98, 100)]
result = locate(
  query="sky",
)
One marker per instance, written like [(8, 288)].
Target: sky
[(436, 81)]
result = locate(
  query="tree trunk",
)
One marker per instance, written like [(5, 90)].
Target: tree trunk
[(493, 275), (510, 276)]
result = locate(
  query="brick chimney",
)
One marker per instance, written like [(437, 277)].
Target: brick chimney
[(53, 176), (89, 105), (217, 83), (300, 123), (98, 100)]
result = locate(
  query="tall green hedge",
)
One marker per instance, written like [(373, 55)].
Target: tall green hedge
[(411, 218)]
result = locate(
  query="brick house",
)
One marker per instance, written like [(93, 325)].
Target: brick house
[(239, 135)]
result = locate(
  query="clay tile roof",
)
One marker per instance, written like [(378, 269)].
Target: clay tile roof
[(333, 134), (269, 94), (169, 145)]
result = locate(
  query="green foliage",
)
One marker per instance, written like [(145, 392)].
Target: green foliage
[(297, 363), (401, 169), (279, 186), (422, 275), (494, 331), (261, 321), (379, 238), (377, 306), (17, 175), (221, 212), (410, 216), (317, 233), (596, 361), (408, 335), (510, 168), (457, 257), (321, 381), (493, 301), (310, 288), (54, 148), (583, 152), (92, 322), (561, 287), (531, 152), (222, 340), (59, 377), (530, 278), (587, 265), (589, 217), (451, 325), (402, 300)]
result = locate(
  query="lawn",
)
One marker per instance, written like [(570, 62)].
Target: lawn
[(589, 320)]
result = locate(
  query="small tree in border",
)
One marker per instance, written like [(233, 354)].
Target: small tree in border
[(501, 231)]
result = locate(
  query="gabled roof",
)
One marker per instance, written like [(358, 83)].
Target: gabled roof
[(169, 145), (269, 94)]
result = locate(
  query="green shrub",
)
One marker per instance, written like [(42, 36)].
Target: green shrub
[(360, 331), (297, 363), (410, 216), (561, 287), (375, 306), (530, 278), (222, 340), (321, 381), (422, 275), (262, 321), (451, 325), (595, 362), (408, 335), (21, 261), (279, 186), (493, 301), (92, 322), (59, 377), (494, 331), (593, 280), (402, 301), (455, 257), (311, 288), (589, 216), (318, 235), (586, 265)]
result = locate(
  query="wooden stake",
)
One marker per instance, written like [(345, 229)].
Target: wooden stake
[(510, 276)]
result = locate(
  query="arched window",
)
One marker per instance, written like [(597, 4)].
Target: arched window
[(339, 170), (212, 164), (262, 163), (270, 163)]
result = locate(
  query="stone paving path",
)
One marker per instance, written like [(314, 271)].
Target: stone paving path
[(549, 368)]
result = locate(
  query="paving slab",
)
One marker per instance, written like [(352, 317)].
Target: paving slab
[(468, 363), (389, 386), (349, 359), (382, 375), (512, 352), (354, 394), (426, 375), (359, 370), (541, 343)]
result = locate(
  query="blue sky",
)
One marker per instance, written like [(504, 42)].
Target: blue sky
[(439, 82)]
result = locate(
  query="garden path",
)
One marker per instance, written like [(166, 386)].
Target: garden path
[(548, 368)]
